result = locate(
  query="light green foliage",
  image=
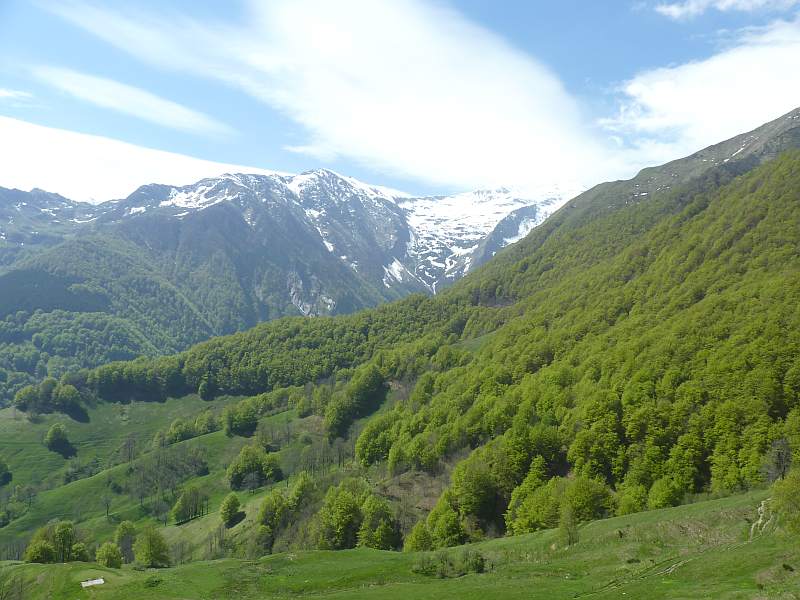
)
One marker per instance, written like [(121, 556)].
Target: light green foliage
[(109, 555), (647, 345), (80, 552), (192, 503), (253, 466), (55, 542), (589, 499), (536, 506), (665, 492), (445, 524), (5, 472), (568, 524), (179, 430), (64, 538), (229, 509), (418, 539), (786, 500), (517, 517), (340, 517), (205, 423), (40, 551), (716, 564), (151, 549), (56, 437), (301, 491), (365, 392), (124, 538), (379, 528), (631, 499)]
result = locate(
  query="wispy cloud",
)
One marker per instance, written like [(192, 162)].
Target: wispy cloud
[(693, 8), (670, 112), (129, 100), (7, 94), (408, 87), (92, 168)]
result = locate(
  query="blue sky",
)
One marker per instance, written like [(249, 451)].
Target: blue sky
[(424, 96)]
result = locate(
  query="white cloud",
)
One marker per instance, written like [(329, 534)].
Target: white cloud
[(92, 168), (129, 100), (406, 87), (7, 94), (694, 8), (672, 112)]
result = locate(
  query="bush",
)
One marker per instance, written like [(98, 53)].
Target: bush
[(229, 510), (443, 565), (379, 528), (786, 500), (588, 498), (632, 499), (253, 467), (151, 549), (124, 538), (424, 564), (80, 552), (664, 493), (40, 552), (57, 439), (5, 472), (192, 503), (471, 561), (418, 539), (109, 555)]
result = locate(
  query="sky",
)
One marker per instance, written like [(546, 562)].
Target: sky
[(425, 96)]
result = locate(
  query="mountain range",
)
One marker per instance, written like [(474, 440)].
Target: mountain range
[(169, 266), (638, 350)]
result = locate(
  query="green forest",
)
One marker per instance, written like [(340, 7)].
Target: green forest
[(627, 356)]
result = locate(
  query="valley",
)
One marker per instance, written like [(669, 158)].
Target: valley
[(603, 407)]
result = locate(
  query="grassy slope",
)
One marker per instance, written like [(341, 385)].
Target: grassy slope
[(701, 550), (101, 436), (108, 426)]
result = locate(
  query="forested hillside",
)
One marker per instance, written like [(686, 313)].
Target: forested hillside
[(169, 267), (639, 349)]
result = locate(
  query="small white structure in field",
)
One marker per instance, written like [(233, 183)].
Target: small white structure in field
[(91, 582)]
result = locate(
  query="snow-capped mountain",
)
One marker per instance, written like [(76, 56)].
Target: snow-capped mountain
[(404, 242), (448, 232), (242, 248)]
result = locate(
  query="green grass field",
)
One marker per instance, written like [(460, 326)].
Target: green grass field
[(702, 550)]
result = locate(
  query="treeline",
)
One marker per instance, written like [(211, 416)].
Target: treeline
[(280, 354), (667, 365), (667, 369)]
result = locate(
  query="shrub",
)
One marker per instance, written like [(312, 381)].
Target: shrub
[(124, 538), (786, 500), (109, 555), (632, 499), (151, 549), (418, 539), (80, 552), (471, 561), (379, 528), (5, 472), (40, 552), (56, 438), (588, 498), (254, 464), (191, 504), (665, 492), (229, 510)]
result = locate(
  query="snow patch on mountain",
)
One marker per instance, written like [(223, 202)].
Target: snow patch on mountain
[(525, 227), (447, 230)]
